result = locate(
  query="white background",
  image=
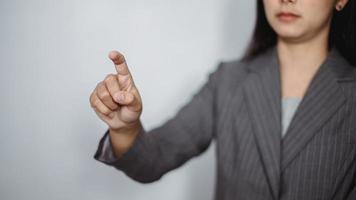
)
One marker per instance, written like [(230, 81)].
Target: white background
[(52, 55)]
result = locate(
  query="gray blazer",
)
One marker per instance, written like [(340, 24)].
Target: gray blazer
[(240, 107)]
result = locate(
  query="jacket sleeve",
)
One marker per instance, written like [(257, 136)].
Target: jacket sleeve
[(185, 135)]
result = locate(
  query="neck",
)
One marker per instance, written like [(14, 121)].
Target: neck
[(305, 56)]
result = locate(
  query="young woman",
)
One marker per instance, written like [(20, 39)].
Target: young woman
[(283, 117)]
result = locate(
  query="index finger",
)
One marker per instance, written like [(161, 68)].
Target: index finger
[(120, 62)]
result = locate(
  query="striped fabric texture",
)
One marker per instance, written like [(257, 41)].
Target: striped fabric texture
[(239, 107)]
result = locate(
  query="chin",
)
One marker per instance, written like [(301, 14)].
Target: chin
[(289, 33)]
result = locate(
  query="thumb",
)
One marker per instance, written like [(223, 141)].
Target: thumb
[(128, 99), (124, 98)]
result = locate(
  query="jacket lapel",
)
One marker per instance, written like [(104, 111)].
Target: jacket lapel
[(322, 99), (263, 96)]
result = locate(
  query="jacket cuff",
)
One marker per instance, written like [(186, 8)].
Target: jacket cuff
[(105, 153)]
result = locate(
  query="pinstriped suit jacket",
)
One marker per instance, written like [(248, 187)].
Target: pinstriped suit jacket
[(240, 107)]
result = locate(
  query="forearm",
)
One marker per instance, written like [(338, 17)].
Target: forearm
[(147, 156)]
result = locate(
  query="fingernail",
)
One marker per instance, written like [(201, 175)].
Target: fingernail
[(111, 115), (120, 97)]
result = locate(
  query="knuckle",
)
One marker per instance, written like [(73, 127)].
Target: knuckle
[(95, 103), (109, 78), (102, 108), (92, 100), (126, 80), (98, 85), (106, 111), (104, 94)]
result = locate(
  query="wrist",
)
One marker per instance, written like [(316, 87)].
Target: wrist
[(128, 129), (123, 138)]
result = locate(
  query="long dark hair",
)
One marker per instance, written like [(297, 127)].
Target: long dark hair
[(342, 33)]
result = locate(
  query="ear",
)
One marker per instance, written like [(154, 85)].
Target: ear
[(340, 4)]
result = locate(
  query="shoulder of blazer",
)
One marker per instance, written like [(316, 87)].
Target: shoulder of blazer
[(340, 66), (233, 72), (230, 72)]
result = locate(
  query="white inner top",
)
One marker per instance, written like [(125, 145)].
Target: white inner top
[(289, 106)]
